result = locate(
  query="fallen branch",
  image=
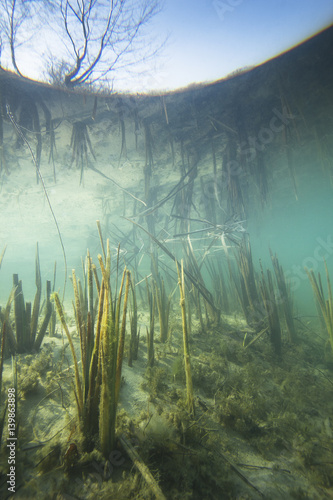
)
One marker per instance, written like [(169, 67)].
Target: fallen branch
[(143, 469)]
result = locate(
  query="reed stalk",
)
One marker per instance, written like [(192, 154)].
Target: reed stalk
[(325, 305), (150, 331), (26, 317), (121, 340), (78, 384), (134, 342), (2, 255), (284, 297), (188, 375), (272, 314), (247, 291), (163, 302), (46, 320), (36, 306)]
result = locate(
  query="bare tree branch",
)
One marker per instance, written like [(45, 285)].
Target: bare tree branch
[(18, 24), (98, 35), (119, 24), (13, 32)]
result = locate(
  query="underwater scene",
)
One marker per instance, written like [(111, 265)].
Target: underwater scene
[(166, 307)]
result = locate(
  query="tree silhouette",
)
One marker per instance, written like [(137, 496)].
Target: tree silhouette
[(98, 36)]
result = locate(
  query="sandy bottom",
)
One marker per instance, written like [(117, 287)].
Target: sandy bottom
[(262, 426)]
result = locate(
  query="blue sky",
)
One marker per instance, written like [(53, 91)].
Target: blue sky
[(208, 39)]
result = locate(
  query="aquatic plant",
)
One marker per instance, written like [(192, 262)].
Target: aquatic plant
[(223, 294), (270, 305), (102, 346), (53, 319), (284, 298), (150, 332), (80, 143), (325, 305), (135, 335), (246, 286), (259, 299), (197, 284), (163, 302), (187, 362), (26, 337), (2, 254)]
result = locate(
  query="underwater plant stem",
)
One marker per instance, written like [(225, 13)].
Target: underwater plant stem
[(118, 185), (2, 255), (46, 319), (79, 324), (93, 392), (107, 326), (133, 350), (188, 375), (90, 322), (12, 343), (79, 396), (122, 337), (326, 305), (111, 357), (101, 238), (36, 306), (150, 332), (22, 335), (163, 306), (286, 301), (201, 288), (270, 305)]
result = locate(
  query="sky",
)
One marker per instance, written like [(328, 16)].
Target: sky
[(209, 39), (206, 40)]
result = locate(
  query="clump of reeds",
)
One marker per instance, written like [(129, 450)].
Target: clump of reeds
[(26, 336), (325, 305), (285, 299), (102, 347), (270, 306), (247, 286)]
